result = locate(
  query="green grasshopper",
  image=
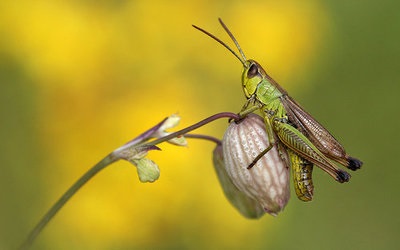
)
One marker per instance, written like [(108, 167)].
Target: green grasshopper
[(308, 143)]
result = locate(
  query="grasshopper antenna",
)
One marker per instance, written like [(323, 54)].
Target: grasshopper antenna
[(243, 59), (233, 38)]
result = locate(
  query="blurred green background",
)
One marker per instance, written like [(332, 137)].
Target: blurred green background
[(80, 78)]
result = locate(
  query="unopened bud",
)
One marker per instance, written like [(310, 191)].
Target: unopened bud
[(267, 181), (247, 206), (147, 169), (170, 122)]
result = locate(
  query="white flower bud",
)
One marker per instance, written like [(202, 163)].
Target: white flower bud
[(172, 121), (268, 180), (247, 206)]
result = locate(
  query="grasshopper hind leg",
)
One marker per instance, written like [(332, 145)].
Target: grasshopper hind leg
[(302, 176), (301, 145)]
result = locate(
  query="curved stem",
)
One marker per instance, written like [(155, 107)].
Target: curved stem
[(204, 137), (66, 196), (114, 157), (195, 126)]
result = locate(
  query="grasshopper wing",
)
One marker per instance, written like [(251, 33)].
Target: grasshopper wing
[(317, 134)]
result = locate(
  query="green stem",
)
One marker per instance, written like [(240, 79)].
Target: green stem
[(114, 156), (67, 195)]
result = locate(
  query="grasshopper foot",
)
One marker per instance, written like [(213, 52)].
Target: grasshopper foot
[(342, 176), (354, 163)]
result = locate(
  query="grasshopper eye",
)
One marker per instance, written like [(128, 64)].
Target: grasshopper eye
[(253, 71)]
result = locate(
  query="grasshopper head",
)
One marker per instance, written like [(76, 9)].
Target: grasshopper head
[(251, 77)]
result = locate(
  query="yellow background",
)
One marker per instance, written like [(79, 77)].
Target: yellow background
[(80, 78)]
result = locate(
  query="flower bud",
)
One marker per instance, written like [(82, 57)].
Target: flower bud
[(170, 122), (147, 169), (247, 206), (267, 181)]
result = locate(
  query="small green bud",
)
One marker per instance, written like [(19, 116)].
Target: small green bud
[(147, 169)]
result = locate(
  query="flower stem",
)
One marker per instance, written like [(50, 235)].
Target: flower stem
[(66, 196), (195, 126), (113, 157), (204, 137)]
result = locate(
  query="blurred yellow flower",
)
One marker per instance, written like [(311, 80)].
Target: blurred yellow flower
[(100, 67)]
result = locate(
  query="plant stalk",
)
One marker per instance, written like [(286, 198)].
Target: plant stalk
[(66, 196)]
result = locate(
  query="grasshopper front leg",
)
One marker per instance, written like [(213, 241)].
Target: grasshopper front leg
[(250, 106), (301, 145), (271, 139)]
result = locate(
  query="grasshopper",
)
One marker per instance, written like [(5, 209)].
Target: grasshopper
[(308, 143)]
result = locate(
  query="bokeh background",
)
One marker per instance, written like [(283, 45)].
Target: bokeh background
[(80, 78)]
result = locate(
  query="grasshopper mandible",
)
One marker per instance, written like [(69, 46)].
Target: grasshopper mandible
[(306, 140)]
